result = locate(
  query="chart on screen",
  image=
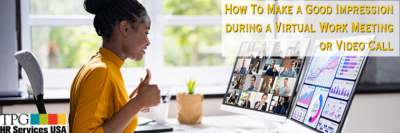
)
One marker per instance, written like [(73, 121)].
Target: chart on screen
[(334, 109), (316, 106), (350, 65), (341, 89), (327, 126), (299, 113), (323, 68), (306, 95)]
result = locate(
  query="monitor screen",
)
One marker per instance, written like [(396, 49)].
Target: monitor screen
[(265, 75), (324, 95)]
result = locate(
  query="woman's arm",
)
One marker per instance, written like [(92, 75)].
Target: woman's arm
[(148, 96)]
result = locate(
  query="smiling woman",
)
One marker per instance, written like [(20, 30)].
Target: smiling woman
[(99, 101)]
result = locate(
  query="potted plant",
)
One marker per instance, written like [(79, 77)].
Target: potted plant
[(189, 104)]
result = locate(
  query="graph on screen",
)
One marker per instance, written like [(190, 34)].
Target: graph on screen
[(316, 106), (327, 126), (306, 95), (334, 109), (323, 69), (299, 113), (341, 89)]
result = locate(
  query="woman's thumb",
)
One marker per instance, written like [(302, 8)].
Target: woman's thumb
[(148, 77)]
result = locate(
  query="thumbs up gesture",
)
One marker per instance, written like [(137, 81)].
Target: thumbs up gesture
[(147, 95), (258, 104), (256, 86)]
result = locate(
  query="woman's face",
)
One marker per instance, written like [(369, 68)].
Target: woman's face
[(135, 45), (239, 77), (282, 101), (258, 64), (264, 98)]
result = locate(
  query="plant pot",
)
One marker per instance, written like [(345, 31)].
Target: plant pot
[(189, 108)]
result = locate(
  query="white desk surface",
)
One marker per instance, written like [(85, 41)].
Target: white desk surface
[(228, 123)]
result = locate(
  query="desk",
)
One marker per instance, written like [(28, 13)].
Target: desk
[(228, 123)]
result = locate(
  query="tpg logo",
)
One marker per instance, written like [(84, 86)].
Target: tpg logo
[(33, 123)]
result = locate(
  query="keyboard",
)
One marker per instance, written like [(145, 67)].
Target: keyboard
[(211, 130)]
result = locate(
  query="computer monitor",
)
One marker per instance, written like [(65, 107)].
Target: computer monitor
[(264, 78), (323, 98)]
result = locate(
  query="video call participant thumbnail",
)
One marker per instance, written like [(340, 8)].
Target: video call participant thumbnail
[(242, 69), (291, 72), (262, 54), (238, 83), (285, 89), (253, 87), (262, 104), (267, 86), (279, 108), (246, 53), (246, 102), (295, 54), (256, 68), (232, 98), (277, 52), (272, 71)]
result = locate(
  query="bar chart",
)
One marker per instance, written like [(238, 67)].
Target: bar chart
[(349, 67), (299, 113), (341, 89)]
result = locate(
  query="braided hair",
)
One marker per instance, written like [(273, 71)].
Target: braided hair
[(110, 12)]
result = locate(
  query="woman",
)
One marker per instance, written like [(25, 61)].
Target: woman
[(262, 54), (232, 99), (277, 52), (238, 83), (99, 101), (295, 54), (246, 53), (280, 109), (267, 86), (262, 104), (256, 69)]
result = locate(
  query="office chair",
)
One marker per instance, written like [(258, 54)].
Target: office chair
[(32, 68)]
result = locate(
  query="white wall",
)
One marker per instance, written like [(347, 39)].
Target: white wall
[(374, 113)]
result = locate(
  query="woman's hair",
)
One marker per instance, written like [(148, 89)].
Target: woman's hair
[(237, 82), (233, 94), (110, 12), (265, 94), (238, 78), (258, 66)]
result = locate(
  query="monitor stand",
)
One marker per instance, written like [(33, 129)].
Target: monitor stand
[(269, 127)]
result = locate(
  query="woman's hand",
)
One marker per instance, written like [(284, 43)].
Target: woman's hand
[(148, 95), (258, 104), (256, 86)]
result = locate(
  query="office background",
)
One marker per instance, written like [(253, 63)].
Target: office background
[(185, 37)]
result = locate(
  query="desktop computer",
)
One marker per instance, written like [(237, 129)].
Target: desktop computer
[(272, 80), (264, 79)]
